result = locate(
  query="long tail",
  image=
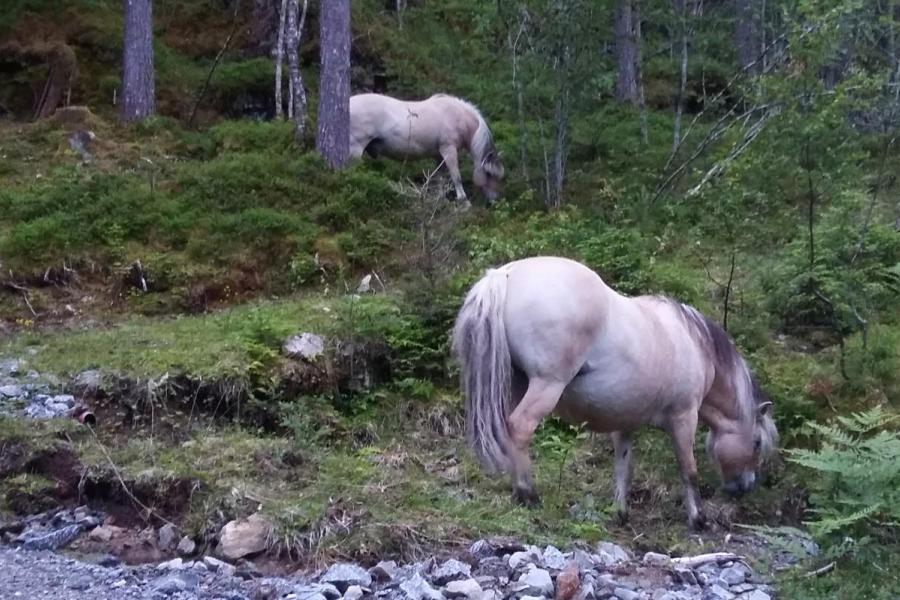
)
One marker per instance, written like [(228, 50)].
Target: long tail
[(479, 342)]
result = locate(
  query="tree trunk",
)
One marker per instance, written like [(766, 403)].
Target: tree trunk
[(746, 26), (279, 60), (138, 93), (333, 139), (298, 93), (626, 52), (681, 12), (636, 36)]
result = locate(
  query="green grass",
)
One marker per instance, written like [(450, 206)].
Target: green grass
[(207, 345)]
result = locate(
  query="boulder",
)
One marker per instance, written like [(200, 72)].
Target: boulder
[(244, 537)]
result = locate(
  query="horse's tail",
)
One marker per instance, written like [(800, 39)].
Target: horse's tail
[(480, 344)]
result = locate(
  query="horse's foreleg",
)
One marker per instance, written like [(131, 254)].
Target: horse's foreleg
[(623, 450), (683, 429), (451, 159), (538, 402)]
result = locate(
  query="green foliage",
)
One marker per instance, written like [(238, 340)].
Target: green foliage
[(857, 475)]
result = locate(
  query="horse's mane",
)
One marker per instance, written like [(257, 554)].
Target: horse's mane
[(720, 348), (482, 140)]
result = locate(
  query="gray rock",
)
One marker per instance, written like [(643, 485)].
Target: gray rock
[(81, 583), (451, 570), (166, 537), (88, 383), (536, 581), (685, 576), (65, 399), (416, 588), (244, 537), (53, 540), (655, 558), (756, 595), (343, 575), (354, 592), (481, 549), (741, 588), (614, 550), (385, 570), (12, 391), (626, 594), (735, 574), (186, 546), (517, 560), (307, 346), (318, 592), (717, 592), (554, 559), (176, 582), (583, 560), (176, 564), (464, 588), (218, 566), (533, 598), (10, 366), (586, 592)]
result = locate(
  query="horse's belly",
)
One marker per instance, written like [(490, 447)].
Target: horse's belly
[(612, 404)]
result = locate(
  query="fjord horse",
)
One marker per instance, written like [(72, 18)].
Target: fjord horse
[(440, 126), (546, 335)]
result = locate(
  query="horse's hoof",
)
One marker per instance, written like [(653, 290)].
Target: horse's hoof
[(697, 523), (527, 497), (622, 517)]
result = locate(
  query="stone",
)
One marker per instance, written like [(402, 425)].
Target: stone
[(464, 588), (553, 558), (517, 560), (176, 564), (532, 598), (617, 553), (67, 400), (586, 592), (12, 391), (166, 537), (756, 595), (741, 588), (685, 576), (176, 582), (81, 583), (10, 366), (218, 566), (343, 575), (583, 559), (186, 546), (735, 574), (536, 581), (717, 592), (244, 537), (385, 570), (451, 570), (416, 588), (568, 582), (481, 549), (319, 592), (105, 533), (354, 592), (626, 594), (307, 346), (87, 383), (656, 559)]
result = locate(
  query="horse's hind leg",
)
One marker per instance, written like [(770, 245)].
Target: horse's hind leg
[(683, 428), (538, 402), (623, 450)]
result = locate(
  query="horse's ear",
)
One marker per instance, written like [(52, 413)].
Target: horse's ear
[(487, 158), (764, 408)]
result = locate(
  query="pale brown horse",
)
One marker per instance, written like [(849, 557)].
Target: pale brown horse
[(546, 334), (441, 126)]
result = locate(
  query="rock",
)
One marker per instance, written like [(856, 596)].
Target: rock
[(306, 346), (52, 540), (626, 594), (10, 366), (219, 566), (568, 582), (318, 592), (583, 559), (451, 570), (81, 583), (536, 581), (354, 592), (104, 533), (717, 592), (64, 399), (385, 570), (87, 383), (615, 551), (532, 598), (517, 560), (553, 558), (108, 560), (244, 537), (685, 576), (12, 391), (586, 592), (166, 537), (176, 564), (176, 582), (186, 546), (343, 575), (656, 559), (464, 588), (481, 549), (416, 588), (735, 574)]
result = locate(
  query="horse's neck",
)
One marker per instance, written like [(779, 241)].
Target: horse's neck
[(719, 409)]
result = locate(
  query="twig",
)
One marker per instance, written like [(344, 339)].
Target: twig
[(692, 562), (234, 28), (27, 303), (822, 570)]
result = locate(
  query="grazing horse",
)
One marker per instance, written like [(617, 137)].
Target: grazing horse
[(440, 126), (546, 334)]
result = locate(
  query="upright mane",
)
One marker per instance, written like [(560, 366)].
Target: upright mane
[(748, 395)]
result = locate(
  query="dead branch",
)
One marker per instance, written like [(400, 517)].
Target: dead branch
[(212, 69), (692, 562)]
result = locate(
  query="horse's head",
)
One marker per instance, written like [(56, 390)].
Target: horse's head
[(488, 175), (741, 446)]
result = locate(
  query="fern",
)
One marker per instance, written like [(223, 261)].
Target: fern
[(857, 487)]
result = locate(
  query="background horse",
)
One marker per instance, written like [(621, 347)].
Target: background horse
[(440, 126), (546, 334)]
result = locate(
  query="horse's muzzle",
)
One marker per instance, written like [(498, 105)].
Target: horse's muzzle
[(740, 485)]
